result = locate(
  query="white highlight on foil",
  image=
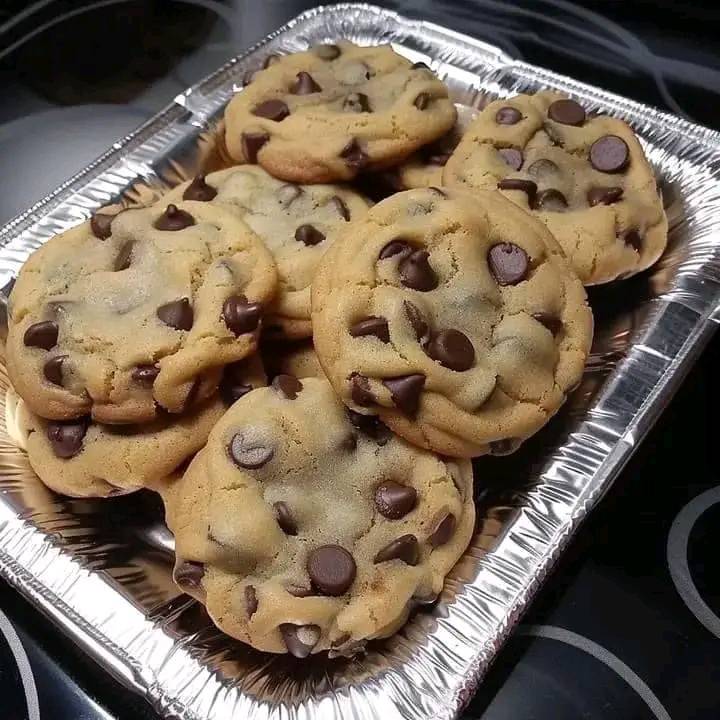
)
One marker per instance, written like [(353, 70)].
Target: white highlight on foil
[(677, 552), (552, 632), (23, 664)]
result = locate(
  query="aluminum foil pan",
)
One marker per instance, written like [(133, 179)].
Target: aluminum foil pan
[(102, 570)]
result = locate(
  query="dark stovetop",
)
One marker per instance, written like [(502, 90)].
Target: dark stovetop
[(628, 625)]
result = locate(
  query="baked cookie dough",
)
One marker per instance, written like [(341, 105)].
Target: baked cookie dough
[(302, 538), (121, 315), (334, 111), (586, 177), (454, 317), (296, 223)]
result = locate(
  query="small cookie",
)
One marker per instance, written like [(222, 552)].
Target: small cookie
[(302, 532), (454, 317), (122, 314), (586, 177), (296, 223), (298, 359), (333, 111)]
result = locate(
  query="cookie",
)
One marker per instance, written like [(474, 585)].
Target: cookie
[(302, 538), (119, 316), (298, 359), (585, 176), (454, 317), (296, 223), (336, 110)]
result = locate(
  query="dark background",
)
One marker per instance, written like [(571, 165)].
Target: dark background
[(610, 636)]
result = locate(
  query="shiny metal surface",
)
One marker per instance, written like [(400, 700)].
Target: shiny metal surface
[(102, 570)]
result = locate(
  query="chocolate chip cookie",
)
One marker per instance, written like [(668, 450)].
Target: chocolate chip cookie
[(334, 111), (302, 538), (121, 315), (586, 177), (296, 222), (455, 317)]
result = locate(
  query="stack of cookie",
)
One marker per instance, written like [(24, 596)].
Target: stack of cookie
[(304, 376)]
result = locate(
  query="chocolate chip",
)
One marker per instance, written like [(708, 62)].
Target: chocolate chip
[(251, 143), (508, 263), (526, 186), (512, 156), (251, 601), (360, 390), (287, 385), (395, 247), (300, 639), (443, 531), (542, 168), (271, 59), (66, 438), (199, 190), (100, 225), (508, 116), (422, 101), (41, 335), (241, 316), (552, 322), (287, 194), (567, 112), (609, 154), (275, 110), (452, 349), (377, 326), (233, 385), (189, 574), (370, 425), (284, 518), (405, 392), (340, 206), (331, 569), (354, 155), (604, 195), (421, 328), (405, 548), (145, 374), (327, 52), (394, 500), (304, 85), (299, 591), (419, 66), (177, 314), (417, 273), (309, 235), (551, 200), (633, 239), (124, 256), (174, 219), (52, 370), (249, 454), (357, 103)]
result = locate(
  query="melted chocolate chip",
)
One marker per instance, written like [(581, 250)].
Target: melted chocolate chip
[(508, 116), (100, 225), (604, 195), (52, 370), (287, 385), (421, 328), (309, 235), (124, 256), (552, 322), (508, 263), (377, 326), (174, 219), (567, 112), (443, 531), (405, 392), (42, 335), (275, 110), (251, 143), (233, 385), (452, 349), (340, 206), (304, 84), (360, 390), (66, 437), (526, 186), (422, 101), (370, 425), (249, 454), (299, 591), (405, 548), (395, 247), (609, 154), (251, 601), (332, 570), (357, 103), (177, 314), (354, 155), (284, 518), (145, 374), (417, 273), (241, 316), (512, 156), (551, 200), (394, 500), (299, 639), (189, 574), (543, 168), (327, 52), (199, 190)]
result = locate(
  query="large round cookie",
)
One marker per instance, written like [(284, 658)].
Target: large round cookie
[(454, 317), (586, 177), (114, 318), (335, 110), (301, 538), (296, 223)]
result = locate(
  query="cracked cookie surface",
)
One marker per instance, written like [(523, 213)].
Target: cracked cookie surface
[(455, 317), (586, 177), (120, 315), (296, 223), (335, 110), (302, 538)]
